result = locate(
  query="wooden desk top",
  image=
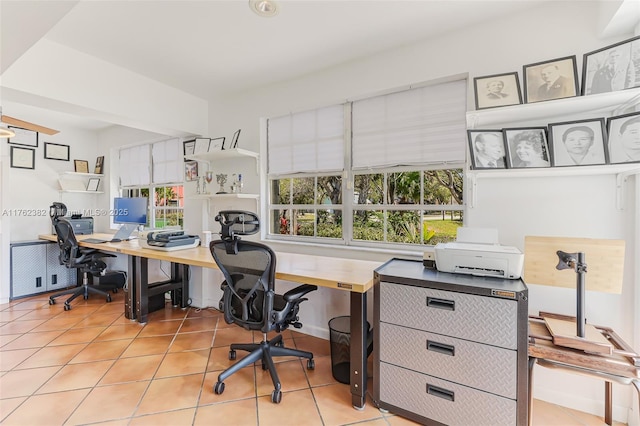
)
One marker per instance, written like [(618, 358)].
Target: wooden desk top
[(333, 272), (623, 362)]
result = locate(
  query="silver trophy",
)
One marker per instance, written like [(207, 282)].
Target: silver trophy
[(221, 178)]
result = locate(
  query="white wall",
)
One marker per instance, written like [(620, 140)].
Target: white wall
[(516, 207)]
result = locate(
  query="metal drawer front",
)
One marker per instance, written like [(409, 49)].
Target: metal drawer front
[(481, 319), (473, 364), (443, 401)]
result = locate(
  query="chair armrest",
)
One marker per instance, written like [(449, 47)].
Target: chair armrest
[(298, 292)]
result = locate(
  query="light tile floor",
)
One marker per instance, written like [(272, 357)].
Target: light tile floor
[(91, 365)]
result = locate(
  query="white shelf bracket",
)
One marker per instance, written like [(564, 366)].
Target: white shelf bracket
[(473, 180), (621, 178)]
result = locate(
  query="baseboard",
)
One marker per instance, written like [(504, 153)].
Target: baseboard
[(587, 405)]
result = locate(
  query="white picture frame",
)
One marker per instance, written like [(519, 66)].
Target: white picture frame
[(202, 146)]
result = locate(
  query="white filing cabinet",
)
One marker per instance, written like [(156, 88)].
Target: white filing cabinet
[(35, 268), (450, 348)]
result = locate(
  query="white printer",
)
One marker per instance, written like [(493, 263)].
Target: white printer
[(476, 251)]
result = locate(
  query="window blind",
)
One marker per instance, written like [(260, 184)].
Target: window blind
[(167, 161), (310, 141), (425, 125), (135, 166)]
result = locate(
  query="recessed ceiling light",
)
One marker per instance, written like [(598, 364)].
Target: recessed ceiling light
[(265, 8)]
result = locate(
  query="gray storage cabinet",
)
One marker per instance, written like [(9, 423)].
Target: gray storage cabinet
[(450, 348), (35, 268)]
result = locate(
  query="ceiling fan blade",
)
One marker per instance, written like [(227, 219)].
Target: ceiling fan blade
[(29, 126)]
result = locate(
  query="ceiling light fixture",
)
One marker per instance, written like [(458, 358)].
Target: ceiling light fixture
[(5, 132), (266, 8)]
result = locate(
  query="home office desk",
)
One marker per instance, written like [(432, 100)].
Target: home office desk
[(354, 276), (623, 366)]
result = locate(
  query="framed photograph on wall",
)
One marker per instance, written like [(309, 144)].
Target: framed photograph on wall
[(23, 158), (578, 143), (99, 169), (189, 147), (624, 138), (190, 170), (612, 68), (527, 147), (55, 151), (24, 137), (93, 184), (497, 90), (487, 149), (217, 144), (234, 140), (548, 80), (81, 166), (202, 145)]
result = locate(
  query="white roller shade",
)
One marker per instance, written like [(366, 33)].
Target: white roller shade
[(310, 141), (425, 125), (135, 166), (167, 161)]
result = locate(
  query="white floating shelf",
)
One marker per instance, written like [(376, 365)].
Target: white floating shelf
[(81, 174), (224, 196), (223, 155), (81, 191)]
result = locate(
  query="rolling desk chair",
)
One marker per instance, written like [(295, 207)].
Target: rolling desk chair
[(249, 299), (73, 256)]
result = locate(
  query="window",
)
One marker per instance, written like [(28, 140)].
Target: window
[(155, 169), (385, 170)]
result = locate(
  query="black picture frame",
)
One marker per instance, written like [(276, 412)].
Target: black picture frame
[(624, 138), (56, 151), (99, 169), (497, 90), (23, 137), (562, 75), (578, 143), (234, 139), (81, 166), (189, 147), (23, 158), (526, 147), (92, 184), (485, 147), (217, 144), (612, 68)]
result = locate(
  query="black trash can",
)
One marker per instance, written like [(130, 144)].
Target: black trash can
[(339, 335)]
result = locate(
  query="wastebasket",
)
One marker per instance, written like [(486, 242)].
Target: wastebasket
[(339, 335)]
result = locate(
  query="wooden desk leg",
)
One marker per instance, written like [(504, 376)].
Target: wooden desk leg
[(358, 348), (532, 363), (608, 402)]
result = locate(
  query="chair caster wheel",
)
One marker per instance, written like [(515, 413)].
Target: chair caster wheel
[(108, 298), (67, 307), (276, 396), (218, 388), (232, 355), (85, 297), (311, 364), (52, 302)]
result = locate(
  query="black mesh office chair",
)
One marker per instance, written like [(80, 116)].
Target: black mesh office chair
[(73, 256), (249, 298)]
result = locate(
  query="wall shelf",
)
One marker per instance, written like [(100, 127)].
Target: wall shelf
[(227, 154), (86, 175), (74, 182), (603, 104), (223, 196), (81, 191)]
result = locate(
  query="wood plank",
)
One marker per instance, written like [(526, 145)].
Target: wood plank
[(29, 126), (564, 334), (604, 258)]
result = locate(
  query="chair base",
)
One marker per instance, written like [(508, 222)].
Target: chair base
[(83, 290), (265, 351)]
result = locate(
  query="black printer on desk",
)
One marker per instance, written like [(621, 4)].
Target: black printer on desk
[(81, 225)]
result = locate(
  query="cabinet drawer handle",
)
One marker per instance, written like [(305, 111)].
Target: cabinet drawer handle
[(449, 305), (440, 392), (38, 282), (441, 348)]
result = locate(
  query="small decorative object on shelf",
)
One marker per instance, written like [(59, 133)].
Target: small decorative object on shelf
[(191, 170), (221, 178), (208, 178)]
